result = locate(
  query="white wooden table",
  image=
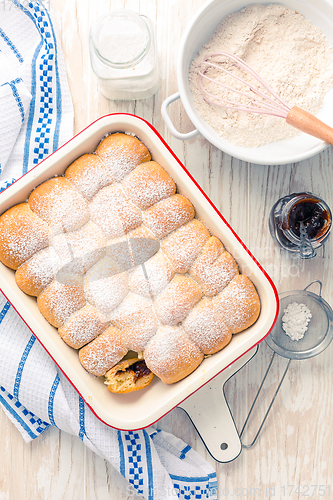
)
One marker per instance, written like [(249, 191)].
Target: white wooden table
[(294, 455)]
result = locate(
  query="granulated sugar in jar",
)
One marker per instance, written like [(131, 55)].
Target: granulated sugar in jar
[(123, 55)]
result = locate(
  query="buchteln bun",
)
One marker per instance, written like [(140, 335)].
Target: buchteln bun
[(121, 153), (238, 304), (171, 355), (58, 204), (103, 352), (128, 376), (22, 234)]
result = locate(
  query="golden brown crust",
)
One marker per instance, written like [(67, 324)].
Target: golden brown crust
[(167, 215), (128, 376), (22, 234), (238, 304), (54, 200), (88, 175), (148, 184), (34, 275), (214, 268), (103, 353), (171, 355), (60, 300), (184, 245), (185, 302), (121, 153), (83, 326), (206, 328)]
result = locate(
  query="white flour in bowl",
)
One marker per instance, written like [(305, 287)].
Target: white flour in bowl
[(289, 53)]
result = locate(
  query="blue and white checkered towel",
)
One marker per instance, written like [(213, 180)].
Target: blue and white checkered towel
[(35, 118)]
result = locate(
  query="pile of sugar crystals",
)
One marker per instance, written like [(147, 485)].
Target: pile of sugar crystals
[(295, 320)]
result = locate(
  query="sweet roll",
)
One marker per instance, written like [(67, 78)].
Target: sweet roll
[(22, 234), (102, 353), (58, 204), (171, 355), (238, 304), (121, 153)]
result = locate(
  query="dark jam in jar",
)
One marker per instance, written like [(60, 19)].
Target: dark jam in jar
[(288, 213), (313, 215)]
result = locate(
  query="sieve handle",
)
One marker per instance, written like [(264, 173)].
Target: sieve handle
[(315, 281), (164, 111), (256, 399), (308, 123)]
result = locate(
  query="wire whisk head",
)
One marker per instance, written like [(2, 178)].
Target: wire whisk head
[(257, 98)]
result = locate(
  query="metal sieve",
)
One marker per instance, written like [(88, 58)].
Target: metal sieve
[(316, 339)]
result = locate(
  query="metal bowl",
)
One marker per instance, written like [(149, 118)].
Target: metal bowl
[(197, 33)]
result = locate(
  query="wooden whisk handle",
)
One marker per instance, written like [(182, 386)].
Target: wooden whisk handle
[(306, 122)]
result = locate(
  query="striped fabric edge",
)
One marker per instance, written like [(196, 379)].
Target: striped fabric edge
[(11, 45), (136, 461), (29, 425), (185, 487), (44, 62), (195, 488)]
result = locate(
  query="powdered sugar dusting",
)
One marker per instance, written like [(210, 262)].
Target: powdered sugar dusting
[(35, 274), (135, 310), (148, 184), (171, 355), (168, 215), (184, 245), (54, 200), (295, 320), (60, 300), (83, 326), (176, 301), (107, 277), (159, 273), (113, 213), (22, 233), (121, 153), (79, 250), (213, 270), (206, 328), (238, 303), (88, 175), (103, 353), (104, 287)]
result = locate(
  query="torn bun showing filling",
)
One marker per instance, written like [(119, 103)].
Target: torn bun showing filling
[(128, 376)]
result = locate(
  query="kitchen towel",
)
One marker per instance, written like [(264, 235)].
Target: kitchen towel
[(36, 117)]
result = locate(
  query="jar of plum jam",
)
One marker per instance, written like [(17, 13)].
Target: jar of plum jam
[(290, 211)]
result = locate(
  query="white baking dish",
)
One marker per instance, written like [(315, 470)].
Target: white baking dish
[(198, 32), (139, 409)]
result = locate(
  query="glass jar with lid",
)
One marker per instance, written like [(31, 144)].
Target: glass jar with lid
[(293, 211), (123, 55)]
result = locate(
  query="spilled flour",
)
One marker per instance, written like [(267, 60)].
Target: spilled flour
[(290, 54)]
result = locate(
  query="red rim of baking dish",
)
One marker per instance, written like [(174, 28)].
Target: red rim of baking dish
[(225, 222)]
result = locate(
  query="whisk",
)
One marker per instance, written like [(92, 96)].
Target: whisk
[(257, 101)]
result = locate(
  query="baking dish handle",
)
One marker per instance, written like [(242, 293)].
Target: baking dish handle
[(209, 412), (164, 110)]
